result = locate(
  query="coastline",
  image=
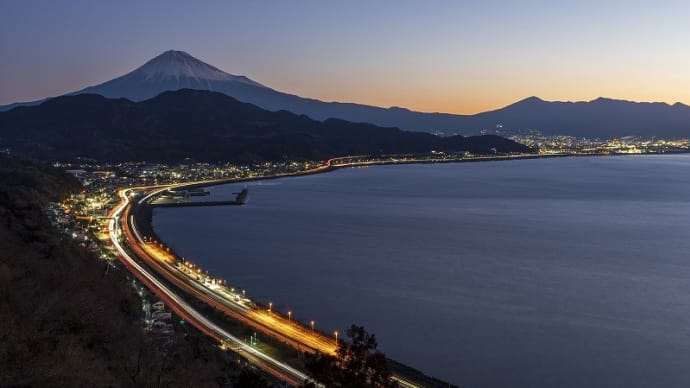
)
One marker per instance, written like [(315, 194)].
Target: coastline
[(144, 214), (329, 168), (332, 167)]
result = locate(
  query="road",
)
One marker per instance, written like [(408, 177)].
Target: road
[(187, 312)]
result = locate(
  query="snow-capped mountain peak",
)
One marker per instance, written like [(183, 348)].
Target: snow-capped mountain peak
[(174, 70), (178, 64)]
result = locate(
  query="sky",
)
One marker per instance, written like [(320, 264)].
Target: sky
[(432, 56)]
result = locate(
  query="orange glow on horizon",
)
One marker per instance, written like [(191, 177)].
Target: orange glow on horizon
[(464, 94), (482, 102)]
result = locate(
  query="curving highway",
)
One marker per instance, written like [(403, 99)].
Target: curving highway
[(186, 311)]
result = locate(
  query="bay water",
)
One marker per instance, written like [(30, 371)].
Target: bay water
[(563, 272)]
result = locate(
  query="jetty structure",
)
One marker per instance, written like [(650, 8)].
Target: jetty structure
[(181, 198)]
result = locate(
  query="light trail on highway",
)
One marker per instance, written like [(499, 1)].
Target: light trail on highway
[(285, 329), (182, 308), (268, 325)]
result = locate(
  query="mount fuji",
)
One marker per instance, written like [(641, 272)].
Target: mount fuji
[(172, 70), (599, 118)]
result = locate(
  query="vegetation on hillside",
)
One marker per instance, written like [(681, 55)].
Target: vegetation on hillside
[(358, 363), (64, 321)]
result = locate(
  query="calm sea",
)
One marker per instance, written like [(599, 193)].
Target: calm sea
[(571, 272)]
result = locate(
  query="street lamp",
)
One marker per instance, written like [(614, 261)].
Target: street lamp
[(312, 326), (336, 337), (270, 306), (289, 316)]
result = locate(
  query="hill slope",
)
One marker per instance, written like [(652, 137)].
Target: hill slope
[(206, 126), (63, 321)]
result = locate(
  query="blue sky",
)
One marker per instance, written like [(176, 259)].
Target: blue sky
[(452, 56)]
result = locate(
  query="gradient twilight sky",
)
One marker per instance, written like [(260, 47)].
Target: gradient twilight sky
[(449, 56)]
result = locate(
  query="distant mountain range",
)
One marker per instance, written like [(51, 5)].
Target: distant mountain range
[(207, 126), (600, 118)]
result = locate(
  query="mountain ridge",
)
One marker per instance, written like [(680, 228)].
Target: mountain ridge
[(598, 118)]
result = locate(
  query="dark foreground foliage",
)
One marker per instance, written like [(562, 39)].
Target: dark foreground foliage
[(63, 322), (358, 363)]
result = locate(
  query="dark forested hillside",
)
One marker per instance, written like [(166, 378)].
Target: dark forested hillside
[(206, 126), (62, 321)]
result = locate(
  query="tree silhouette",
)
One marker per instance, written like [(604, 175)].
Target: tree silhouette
[(358, 363)]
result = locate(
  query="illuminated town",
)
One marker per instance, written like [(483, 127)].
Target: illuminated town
[(624, 145)]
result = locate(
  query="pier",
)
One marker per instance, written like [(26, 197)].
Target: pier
[(196, 203)]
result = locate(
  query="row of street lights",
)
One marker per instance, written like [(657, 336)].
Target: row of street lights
[(311, 323), (270, 304)]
